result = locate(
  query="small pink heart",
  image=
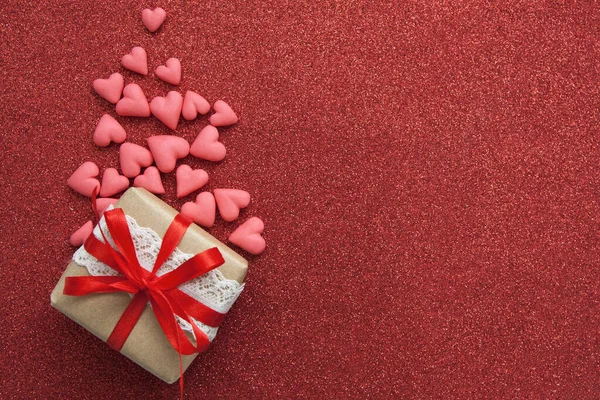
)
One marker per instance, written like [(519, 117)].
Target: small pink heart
[(207, 145), (136, 61), (103, 203), (84, 180), (223, 115), (202, 211), (166, 149), (153, 19), (189, 179), (113, 182), (247, 236), (170, 72), (230, 201), (111, 88), (167, 109), (79, 236), (150, 181), (132, 158), (193, 104), (133, 103), (108, 130)]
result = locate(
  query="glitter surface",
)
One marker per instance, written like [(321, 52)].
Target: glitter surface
[(428, 175)]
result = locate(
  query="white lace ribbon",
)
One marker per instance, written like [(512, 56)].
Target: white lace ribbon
[(211, 289)]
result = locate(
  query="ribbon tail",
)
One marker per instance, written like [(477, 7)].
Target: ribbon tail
[(127, 321)]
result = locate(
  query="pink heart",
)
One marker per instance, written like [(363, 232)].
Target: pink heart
[(193, 104), (79, 236), (223, 115), (202, 211), (189, 179), (171, 73), (83, 179), (113, 182), (153, 19), (136, 61), (230, 201), (150, 181), (108, 130), (167, 109), (133, 103), (132, 158), (247, 236), (166, 149), (207, 145), (103, 203), (111, 88)]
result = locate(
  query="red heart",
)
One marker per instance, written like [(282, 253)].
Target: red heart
[(202, 211), (136, 61), (113, 182), (150, 181), (83, 179), (207, 145), (79, 236), (133, 103), (223, 115), (189, 180), (111, 88), (103, 203), (193, 104), (132, 158), (167, 109), (170, 72), (107, 130), (230, 201), (153, 19), (166, 149), (247, 236)]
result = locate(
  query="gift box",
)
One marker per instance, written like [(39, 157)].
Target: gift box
[(148, 219)]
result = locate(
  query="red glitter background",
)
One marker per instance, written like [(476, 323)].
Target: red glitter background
[(428, 175)]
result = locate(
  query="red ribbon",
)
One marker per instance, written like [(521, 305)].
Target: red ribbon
[(167, 301)]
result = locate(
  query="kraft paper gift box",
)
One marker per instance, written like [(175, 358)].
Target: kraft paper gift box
[(147, 344)]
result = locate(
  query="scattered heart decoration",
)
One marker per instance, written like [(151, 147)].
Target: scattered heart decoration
[(165, 150), (108, 130), (170, 72), (207, 145), (136, 61), (153, 19)]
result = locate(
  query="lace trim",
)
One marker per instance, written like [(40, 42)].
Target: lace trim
[(211, 289)]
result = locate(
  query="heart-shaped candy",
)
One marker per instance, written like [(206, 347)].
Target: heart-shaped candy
[(202, 211), (111, 88), (207, 145), (113, 182), (194, 104), (166, 149), (167, 109), (150, 181), (230, 201), (79, 236), (153, 19), (83, 180), (136, 61), (103, 203), (132, 158), (189, 179), (170, 72), (133, 103), (223, 115), (108, 130), (247, 236)]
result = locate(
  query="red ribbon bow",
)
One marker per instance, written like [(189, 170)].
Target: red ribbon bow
[(167, 301)]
